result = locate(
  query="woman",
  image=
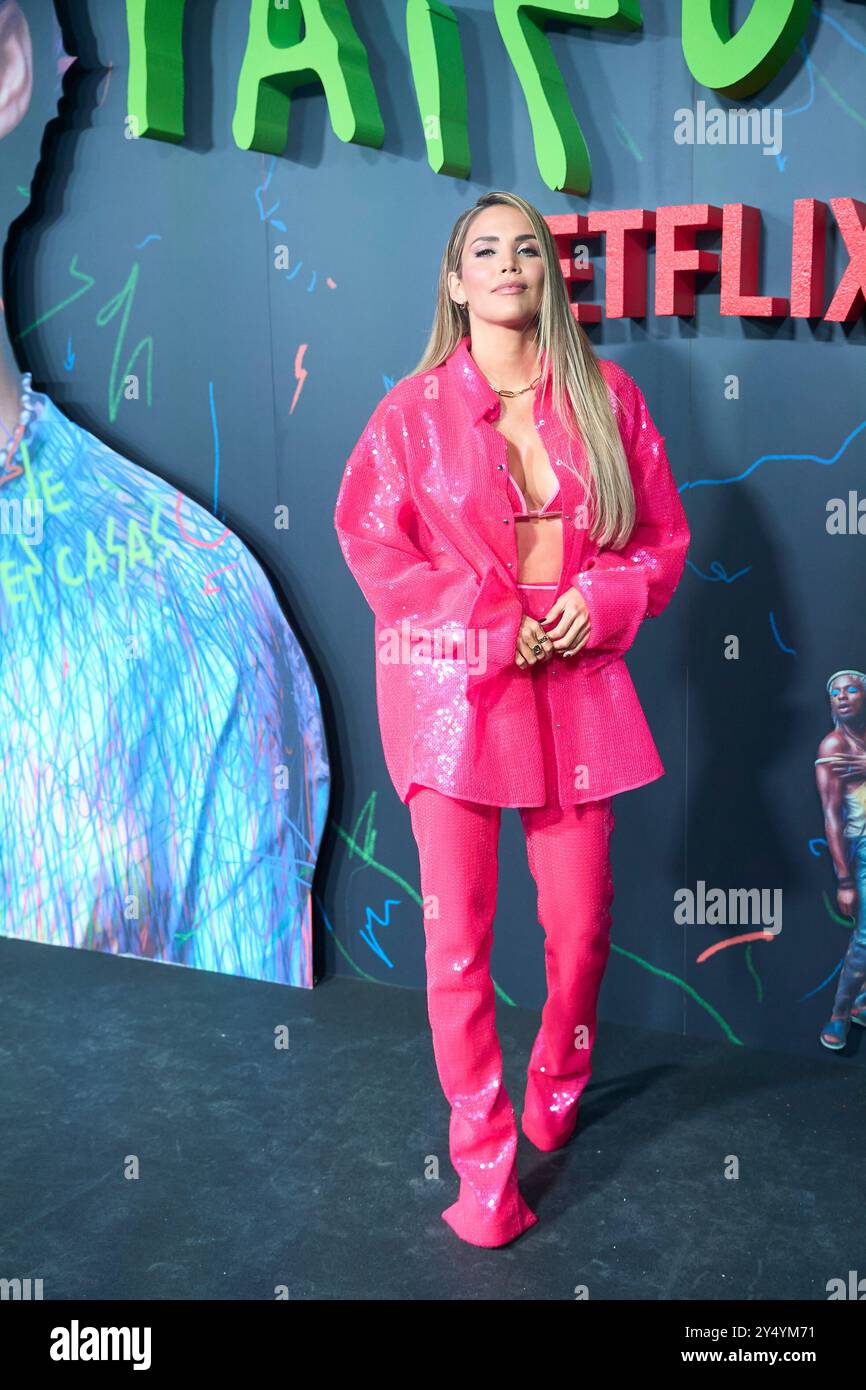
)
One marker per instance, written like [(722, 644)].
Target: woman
[(510, 516)]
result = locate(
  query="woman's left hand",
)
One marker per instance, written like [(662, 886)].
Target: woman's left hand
[(573, 629)]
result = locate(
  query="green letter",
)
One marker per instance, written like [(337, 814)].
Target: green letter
[(139, 550), (440, 84), (741, 65), (154, 86), (93, 556), (52, 488), (68, 578), (560, 149), (277, 60), (8, 576)]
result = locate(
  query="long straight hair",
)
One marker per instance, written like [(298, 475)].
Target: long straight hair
[(580, 393)]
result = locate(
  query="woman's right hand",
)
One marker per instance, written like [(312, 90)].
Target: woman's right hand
[(532, 634), (847, 901)]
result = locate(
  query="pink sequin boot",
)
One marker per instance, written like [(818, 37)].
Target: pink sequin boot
[(458, 852)]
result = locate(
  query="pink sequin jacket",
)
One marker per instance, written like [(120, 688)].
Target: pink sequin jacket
[(426, 526)]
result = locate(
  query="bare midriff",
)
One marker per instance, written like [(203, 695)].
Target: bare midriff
[(538, 531)]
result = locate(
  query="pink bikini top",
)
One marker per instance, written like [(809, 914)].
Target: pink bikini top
[(519, 502)]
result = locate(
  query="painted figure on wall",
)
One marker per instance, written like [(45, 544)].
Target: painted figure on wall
[(841, 777)]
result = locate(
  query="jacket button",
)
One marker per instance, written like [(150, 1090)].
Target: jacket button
[(505, 519), (500, 466)]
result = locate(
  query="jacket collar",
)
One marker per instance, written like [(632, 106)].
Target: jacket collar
[(476, 390)]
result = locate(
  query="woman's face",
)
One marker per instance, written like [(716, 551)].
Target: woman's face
[(500, 248)]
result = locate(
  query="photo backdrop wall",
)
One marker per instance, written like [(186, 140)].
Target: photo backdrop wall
[(285, 288)]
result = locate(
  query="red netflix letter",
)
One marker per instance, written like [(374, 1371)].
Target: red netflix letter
[(808, 258), (625, 259), (848, 302), (565, 228), (741, 245), (677, 258)]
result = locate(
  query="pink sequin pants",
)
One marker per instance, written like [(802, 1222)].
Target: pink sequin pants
[(569, 857)]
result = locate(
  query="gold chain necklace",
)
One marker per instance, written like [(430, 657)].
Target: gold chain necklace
[(531, 387)]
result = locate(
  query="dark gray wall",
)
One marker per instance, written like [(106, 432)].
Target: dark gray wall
[(738, 806)]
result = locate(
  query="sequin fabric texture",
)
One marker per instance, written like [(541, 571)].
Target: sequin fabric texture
[(425, 520)]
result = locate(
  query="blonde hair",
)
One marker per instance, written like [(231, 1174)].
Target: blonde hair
[(580, 393)]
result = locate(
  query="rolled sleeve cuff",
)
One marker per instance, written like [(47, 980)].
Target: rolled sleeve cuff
[(617, 603), (492, 630)]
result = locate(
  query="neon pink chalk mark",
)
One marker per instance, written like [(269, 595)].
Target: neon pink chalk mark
[(301, 374), (14, 472), (735, 941), (203, 545), (215, 588)]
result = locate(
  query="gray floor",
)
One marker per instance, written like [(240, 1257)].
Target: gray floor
[(304, 1167)]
